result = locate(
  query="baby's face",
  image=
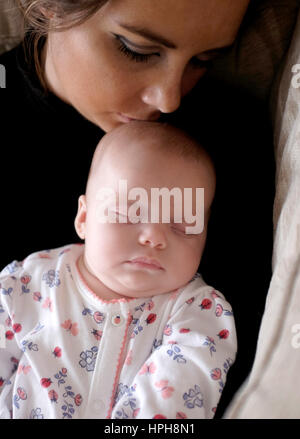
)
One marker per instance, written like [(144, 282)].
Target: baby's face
[(145, 258)]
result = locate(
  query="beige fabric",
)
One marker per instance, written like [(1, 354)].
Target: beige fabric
[(261, 46), (10, 25), (273, 388)]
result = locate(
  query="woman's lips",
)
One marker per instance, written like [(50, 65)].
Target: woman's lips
[(126, 119), (143, 262)]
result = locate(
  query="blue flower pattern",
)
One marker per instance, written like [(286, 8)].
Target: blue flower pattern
[(51, 278), (193, 398), (88, 359)]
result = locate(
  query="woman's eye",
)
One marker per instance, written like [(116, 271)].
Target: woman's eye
[(133, 54)]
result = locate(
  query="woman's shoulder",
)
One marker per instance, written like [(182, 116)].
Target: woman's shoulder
[(14, 93), (7, 56), (22, 85)]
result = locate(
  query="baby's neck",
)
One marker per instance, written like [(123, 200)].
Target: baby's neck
[(94, 284)]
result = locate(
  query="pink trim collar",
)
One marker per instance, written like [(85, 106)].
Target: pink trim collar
[(94, 295)]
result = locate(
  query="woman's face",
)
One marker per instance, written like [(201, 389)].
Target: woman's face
[(136, 59)]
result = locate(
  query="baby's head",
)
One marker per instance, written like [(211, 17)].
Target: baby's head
[(138, 244)]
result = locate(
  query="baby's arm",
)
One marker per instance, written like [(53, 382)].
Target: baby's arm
[(185, 375), (10, 353)]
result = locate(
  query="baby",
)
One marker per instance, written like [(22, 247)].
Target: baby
[(122, 326)]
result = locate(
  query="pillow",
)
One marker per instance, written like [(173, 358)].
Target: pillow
[(10, 25), (261, 45), (272, 389)]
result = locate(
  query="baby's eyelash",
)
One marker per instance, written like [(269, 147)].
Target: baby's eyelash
[(135, 56), (178, 229), (182, 232)]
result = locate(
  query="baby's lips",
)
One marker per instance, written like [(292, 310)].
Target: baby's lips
[(147, 261)]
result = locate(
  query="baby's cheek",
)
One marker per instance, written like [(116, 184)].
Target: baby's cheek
[(116, 243), (194, 252)]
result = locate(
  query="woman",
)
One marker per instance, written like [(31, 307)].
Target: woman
[(90, 66), (129, 59)]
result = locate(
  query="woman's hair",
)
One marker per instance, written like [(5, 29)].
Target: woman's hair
[(37, 23)]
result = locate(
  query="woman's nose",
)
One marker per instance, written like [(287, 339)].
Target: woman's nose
[(153, 235), (165, 88), (164, 92)]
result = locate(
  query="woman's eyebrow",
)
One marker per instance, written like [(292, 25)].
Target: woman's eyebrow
[(149, 35), (161, 40)]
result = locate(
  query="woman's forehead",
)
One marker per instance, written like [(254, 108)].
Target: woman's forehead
[(204, 24)]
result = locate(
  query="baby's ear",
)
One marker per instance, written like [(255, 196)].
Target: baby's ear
[(81, 217)]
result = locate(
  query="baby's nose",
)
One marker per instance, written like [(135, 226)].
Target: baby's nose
[(153, 235)]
